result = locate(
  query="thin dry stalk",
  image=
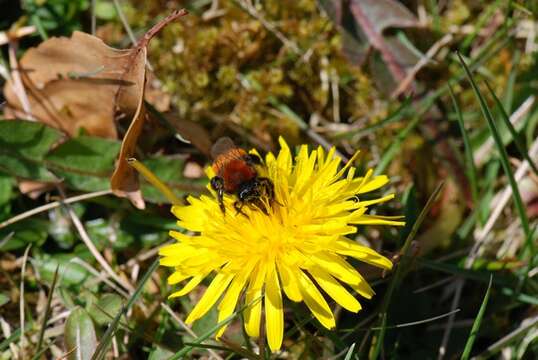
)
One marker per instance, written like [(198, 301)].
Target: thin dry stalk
[(18, 86), (22, 343), (52, 205), (89, 244), (480, 241)]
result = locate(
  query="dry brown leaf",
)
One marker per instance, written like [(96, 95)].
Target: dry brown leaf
[(72, 83), (124, 180)]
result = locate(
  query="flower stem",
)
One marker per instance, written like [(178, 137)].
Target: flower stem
[(154, 180)]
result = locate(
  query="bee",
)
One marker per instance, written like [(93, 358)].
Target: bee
[(236, 174)]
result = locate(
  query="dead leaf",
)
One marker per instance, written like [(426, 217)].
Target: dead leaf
[(72, 84), (34, 189), (362, 23), (193, 132), (124, 180)]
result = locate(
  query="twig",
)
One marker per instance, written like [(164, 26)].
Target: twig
[(144, 41), (5, 36), (249, 7), (404, 84), (21, 299), (52, 205), (186, 328), (89, 244)]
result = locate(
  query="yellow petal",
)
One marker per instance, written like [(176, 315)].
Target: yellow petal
[(229, 301), (274, 313), (253, 312), (348, 164), (341, 270), (210, 297), (363, 288), (315, 302), (336, 227), (363, 253), (376, 220), (377, 201), (177, 250), (290, 284), (189, 286), (179, 236), (284, 157), (374, 184), (334, 289), (191, 217), (177, 277)]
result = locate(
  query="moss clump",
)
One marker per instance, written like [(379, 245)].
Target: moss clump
[(233, 67)]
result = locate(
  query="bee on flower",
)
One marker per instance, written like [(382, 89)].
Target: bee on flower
[(288, 237)]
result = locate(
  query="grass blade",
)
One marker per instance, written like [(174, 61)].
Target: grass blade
[(519, 145), (100, 352), (398, 275), (476, 323), (15, 335), (393, 117), (188, 348), (47, 310), (469, 157), (350, 352), (504, 159), (394, 147)]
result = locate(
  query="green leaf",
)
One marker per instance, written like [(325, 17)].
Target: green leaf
[(24, 232), (23, 145), (105, 10), (86, 154), (105, 309), (160, 354), (101, 231), (85, 163), (4, 299), (71, 273), (6, 189), (80, 335)]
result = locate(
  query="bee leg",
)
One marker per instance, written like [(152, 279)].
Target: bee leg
[(269, 189), (217, 184), (238, 205)]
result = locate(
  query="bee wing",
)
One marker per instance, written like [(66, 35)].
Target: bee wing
[(222, 146)]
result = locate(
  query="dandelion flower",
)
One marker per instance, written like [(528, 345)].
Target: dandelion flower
[(298, 247)]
